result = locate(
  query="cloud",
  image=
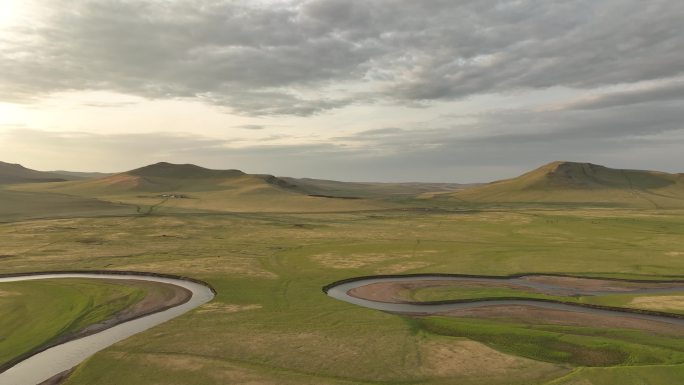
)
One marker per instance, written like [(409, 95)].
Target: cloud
[(306, 57), (496, 145), (662, 93), (252, 127), (109, 104)]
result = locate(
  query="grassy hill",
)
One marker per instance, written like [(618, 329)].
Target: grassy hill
[(582, 183), (370, 189), (74, 175), (11, 173), (166, 186), (15, 173)]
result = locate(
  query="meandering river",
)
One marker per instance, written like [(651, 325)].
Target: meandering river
[(60, 358), (341, 292)]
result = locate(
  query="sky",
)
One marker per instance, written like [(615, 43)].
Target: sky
[(367, 90)]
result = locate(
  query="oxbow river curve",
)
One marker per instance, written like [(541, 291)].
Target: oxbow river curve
[(341, 290), (63, 357)]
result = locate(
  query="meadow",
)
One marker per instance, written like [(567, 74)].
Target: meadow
[(271, 323), (35, 314)]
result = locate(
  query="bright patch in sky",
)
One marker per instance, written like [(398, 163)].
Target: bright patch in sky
[(11, 12)]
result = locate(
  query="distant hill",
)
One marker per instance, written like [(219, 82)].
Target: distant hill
[(15, 173), (166, 177), (583, 183), (190, 187), (371, 189), (74, 175)]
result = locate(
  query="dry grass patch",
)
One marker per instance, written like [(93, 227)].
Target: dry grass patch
[(665, 302), (220, 372), (351, 261), (496, 217), (361, 260), (402, 267), (208, 265), (466, 359), (217, 307)]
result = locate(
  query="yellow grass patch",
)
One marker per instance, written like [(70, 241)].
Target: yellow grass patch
[(469, 359), (217, 307), (496, 217), (402, 267), (220, 371), (351, 261), (209, 265), (360, 260), (8, 294), (664, 302)]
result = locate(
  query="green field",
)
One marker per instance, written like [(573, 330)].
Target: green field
[(268, 248), (270, 322), (35, 313)]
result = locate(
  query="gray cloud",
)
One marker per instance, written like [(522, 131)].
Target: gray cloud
[(636, 136), (109, 104), (661, 93), (304, 57), (252, 127)]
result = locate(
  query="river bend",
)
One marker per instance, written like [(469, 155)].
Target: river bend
[(60, 358)]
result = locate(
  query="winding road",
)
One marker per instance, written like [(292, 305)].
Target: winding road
[(60, 358)]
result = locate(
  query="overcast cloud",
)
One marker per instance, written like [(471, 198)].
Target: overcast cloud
[(315, 63)]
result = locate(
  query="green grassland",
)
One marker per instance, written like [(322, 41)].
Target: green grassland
[(22, 205), (34, 313), (569, 183), (268, 247), (270, 322)]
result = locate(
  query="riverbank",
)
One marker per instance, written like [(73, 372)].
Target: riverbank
[(164, 294)]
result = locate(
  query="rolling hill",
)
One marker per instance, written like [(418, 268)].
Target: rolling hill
[(582, 183), (11, 173), (325, 187), (165, 186), (75, 175)]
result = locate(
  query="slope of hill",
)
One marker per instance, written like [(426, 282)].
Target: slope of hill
[(369, 189), (15, 173), (74, 175), (582, 183), (164, 186)]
